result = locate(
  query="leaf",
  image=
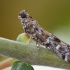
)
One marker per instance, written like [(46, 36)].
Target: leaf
[(23, 37), (17, 65)]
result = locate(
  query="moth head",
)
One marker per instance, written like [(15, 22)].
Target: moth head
[(23, 14)]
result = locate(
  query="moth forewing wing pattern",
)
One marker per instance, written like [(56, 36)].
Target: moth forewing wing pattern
[(41, 36)]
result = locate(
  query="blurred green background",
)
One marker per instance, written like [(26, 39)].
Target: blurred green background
[(52, 15)]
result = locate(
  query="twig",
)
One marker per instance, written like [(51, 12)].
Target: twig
[(6, 63), (30, 54)]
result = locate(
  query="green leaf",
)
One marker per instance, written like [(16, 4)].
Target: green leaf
[(23, 37), (15, 65), (21, 66)]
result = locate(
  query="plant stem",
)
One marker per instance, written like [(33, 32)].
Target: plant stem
[(30, 54), (6, 63)]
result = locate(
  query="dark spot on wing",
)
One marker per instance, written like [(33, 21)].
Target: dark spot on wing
[(56, 39), (63, 56), (30, 16), (36, 28), (48, 44)]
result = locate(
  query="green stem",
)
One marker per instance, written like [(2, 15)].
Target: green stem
[(30, 54)]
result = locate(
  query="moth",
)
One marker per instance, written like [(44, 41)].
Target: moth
[(41, 36)]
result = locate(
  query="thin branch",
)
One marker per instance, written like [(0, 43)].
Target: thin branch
[(6, 63), (30, 54)]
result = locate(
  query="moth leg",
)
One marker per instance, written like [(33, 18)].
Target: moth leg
[(37, 44)]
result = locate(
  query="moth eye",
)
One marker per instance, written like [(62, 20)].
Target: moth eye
[(23, 15)]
